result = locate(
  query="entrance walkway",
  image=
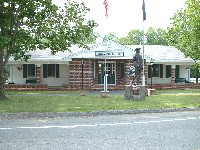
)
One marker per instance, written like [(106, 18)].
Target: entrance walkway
[(117, 92)]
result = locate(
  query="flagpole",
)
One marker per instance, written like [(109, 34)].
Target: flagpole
[(105, 63), (144, 18), (143, 75)]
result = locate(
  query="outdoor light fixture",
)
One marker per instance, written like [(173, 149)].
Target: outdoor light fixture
[(82, 65)]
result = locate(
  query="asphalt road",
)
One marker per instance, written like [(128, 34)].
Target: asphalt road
[(155, 131)]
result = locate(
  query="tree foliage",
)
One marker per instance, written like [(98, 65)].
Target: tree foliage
[(184, 32), (153, 36), (91, 39), (156, 36), (26, 25), (110, 36), (133, 37)]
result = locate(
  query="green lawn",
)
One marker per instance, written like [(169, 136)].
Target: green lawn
[(75, 103)]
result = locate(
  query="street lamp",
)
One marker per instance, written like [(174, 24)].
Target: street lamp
[(151, 63)]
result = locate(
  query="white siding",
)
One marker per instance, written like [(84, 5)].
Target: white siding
[(183, 72), (16, 76), (156, 80), (52, 81)]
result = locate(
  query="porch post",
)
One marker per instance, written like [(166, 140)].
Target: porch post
[(38, 74), (173, 73)]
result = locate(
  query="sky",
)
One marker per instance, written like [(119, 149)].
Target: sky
[(125, 15)]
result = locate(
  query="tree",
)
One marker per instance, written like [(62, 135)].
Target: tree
[(156, 36), (134, 37), (39, 24), (91, 39), (110, 36), (152, 37), (184, 32)]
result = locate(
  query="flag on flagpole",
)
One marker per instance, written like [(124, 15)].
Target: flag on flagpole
[(144, 11), (106, 7)]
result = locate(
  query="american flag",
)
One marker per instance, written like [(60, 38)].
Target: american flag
[(106, 8)]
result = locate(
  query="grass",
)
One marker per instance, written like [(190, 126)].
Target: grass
[(75, 103), (40, 92)]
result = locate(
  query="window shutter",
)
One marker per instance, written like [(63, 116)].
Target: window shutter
[(24, 70), (122, 70), (177, 71), (57, 70), (149, 71), (44, 70), (168, 71), (161, 70)]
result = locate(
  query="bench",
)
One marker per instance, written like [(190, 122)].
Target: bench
[(150, 92), (31, 80), (181, 80)]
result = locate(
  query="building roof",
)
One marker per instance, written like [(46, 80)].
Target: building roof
[(164, 54), (113, 50), (156, 53), (46, 56)]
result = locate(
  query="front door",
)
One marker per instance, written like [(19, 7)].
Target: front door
[(110, 71)]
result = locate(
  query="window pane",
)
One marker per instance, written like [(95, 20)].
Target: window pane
[(155, 70), (168, 71), (31, 70), (100, 68), (51, 70)]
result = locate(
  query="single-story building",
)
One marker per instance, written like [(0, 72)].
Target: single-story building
[(84, 68)]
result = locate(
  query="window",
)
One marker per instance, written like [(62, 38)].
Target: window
[(157, 70), (28, 70), (50, 70), (31, 70)]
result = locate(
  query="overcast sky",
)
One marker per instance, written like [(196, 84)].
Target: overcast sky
[(124, 15)]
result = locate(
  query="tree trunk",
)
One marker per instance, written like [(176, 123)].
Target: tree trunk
[(2, 92), (2, 75)]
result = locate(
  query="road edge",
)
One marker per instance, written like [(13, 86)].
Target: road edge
[(93, 113)]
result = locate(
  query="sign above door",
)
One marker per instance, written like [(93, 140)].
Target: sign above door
[(106, 53)]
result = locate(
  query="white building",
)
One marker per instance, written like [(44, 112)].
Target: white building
[(65, 68)]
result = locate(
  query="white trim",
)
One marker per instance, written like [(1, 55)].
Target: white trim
[(47, 61), (173, 66), (109, 53)]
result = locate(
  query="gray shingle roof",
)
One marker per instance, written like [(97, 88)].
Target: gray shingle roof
[(157, 53)]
